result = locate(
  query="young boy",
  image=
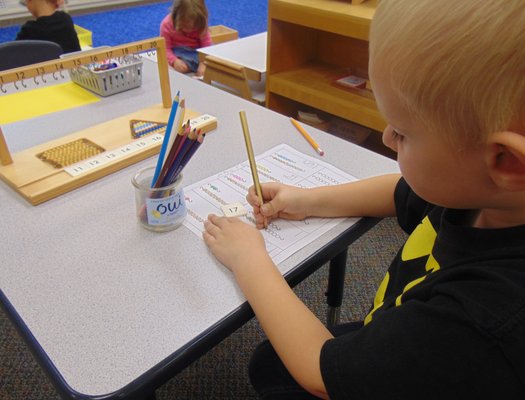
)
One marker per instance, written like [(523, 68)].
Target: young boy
[(50, 24), (448, 320)]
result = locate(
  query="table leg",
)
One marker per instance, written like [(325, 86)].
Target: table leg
[(336, 284)]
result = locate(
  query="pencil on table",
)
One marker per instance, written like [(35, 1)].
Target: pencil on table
[(307, 137)]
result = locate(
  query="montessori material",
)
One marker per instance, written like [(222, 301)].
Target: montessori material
[(38, 180)]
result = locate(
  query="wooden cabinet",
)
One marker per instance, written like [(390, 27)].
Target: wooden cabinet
[(312, 43)]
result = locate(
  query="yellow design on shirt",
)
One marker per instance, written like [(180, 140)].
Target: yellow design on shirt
[(380, 295), (419, 244)]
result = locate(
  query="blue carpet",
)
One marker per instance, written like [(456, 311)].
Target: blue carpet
[(126, 25)]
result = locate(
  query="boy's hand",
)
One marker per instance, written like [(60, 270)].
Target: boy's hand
[(180, 66), (234, 243), (280, 201)]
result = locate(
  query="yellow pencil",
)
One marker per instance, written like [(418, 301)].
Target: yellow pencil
[(307, 137), (251, 158)]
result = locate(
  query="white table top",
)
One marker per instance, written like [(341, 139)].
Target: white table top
[(106, 299), (249, 51)]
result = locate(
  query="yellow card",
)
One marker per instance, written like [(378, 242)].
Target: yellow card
[(34, 103)]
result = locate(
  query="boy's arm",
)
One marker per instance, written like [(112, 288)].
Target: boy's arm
[(295, 333), (370, 197)]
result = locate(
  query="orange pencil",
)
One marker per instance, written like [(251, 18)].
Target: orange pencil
[(307, 137)]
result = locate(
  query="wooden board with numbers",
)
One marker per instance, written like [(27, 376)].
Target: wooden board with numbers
[(56, 167), (38, 181)]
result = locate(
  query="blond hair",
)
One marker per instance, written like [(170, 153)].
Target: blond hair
[(457, 66), (190, 10)]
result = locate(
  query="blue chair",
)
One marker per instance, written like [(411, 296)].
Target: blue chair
[(19, 53)]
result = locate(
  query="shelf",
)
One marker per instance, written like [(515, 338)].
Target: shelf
[(312, 84), (336, 16)]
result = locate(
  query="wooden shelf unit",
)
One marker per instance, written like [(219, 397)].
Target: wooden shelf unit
[(311, 43)]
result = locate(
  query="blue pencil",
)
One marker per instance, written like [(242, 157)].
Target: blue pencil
[(166, 139)]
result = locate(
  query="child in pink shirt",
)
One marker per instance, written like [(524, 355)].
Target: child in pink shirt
[(186, 30)]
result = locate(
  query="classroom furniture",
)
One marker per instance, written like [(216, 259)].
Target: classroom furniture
[(232, 78), (238, 66), (38, 181), (221, 34), (312, 43), (249, 52), (18, 53), (111, 310), (85, 37)]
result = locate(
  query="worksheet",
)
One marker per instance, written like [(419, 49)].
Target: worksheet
[(225, 193)]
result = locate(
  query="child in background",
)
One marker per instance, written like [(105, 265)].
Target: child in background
[(448, 320), (50, 24), (185, 30)]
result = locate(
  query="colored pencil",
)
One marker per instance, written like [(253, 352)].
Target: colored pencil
[(189, 154), (165, 141), (181, 136), (185, 146), (176, 128)]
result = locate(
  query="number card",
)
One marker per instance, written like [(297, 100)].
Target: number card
[(234, 210)]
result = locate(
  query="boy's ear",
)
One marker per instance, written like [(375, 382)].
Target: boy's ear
[(506, 160)]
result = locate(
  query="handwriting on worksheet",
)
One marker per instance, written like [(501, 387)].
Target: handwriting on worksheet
[(279, 164)]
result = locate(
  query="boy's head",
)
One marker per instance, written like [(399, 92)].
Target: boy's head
[(449, 78), (459, 66)]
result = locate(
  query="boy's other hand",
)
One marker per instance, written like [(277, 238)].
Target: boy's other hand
[(280, 201), (234, 243), (180, 66)]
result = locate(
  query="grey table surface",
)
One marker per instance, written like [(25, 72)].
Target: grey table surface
[(106, 299)]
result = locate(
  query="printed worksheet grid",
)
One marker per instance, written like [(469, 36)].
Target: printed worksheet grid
[(279, 164)]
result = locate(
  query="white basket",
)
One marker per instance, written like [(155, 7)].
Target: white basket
[(105, 83)]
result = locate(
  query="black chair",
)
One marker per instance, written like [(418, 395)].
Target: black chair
[(26, 52)]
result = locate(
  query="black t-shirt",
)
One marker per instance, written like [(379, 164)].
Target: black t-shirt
[(58, 28), (448, 320)]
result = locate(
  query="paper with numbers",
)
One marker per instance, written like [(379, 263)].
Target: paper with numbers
[(281, 164)]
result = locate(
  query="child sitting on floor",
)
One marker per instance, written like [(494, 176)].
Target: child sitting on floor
[(186, 30)]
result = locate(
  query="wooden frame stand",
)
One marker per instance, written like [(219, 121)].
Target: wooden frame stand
[(38, 181)]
